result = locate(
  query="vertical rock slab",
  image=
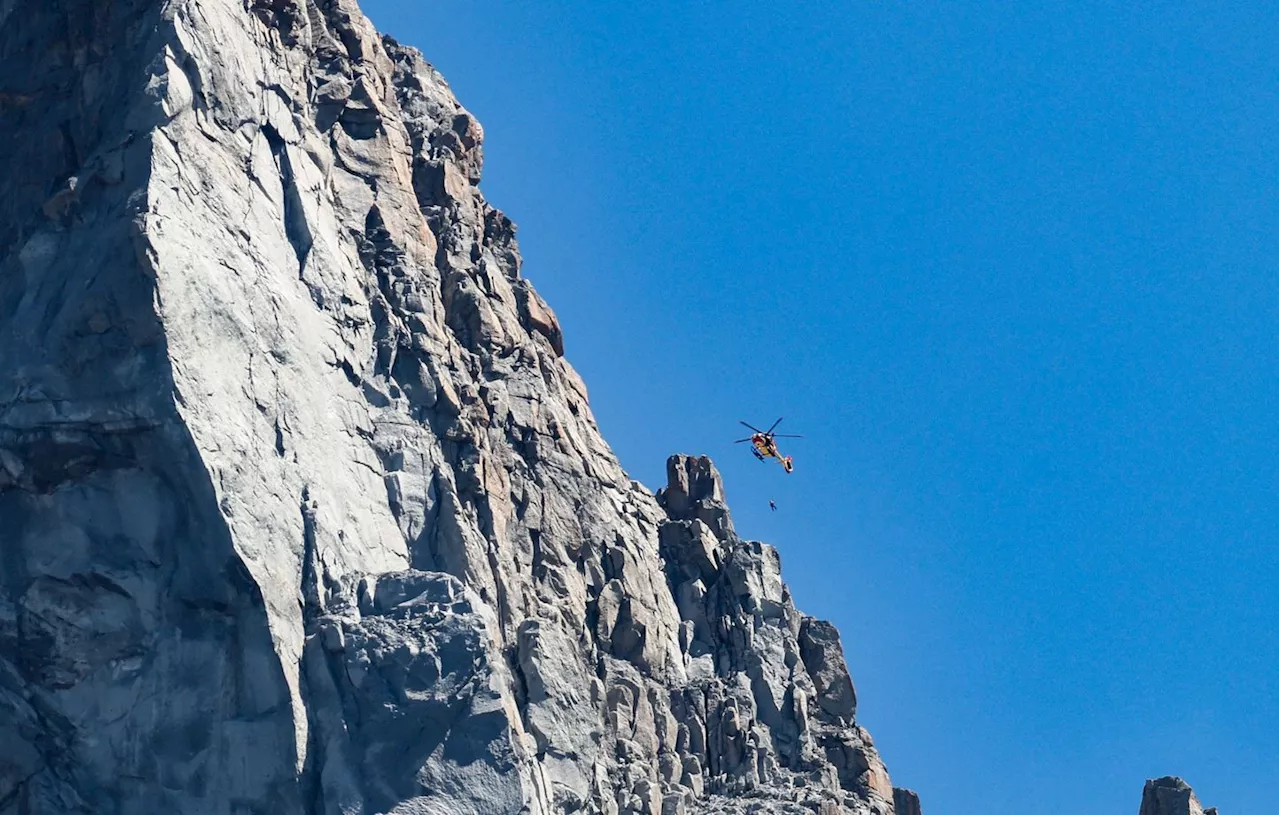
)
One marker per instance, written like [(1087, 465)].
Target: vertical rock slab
[(138, 668)]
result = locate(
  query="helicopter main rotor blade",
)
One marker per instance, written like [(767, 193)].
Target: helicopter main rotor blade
[(787, 436), (740, 441), (772, 426), (753, 427)]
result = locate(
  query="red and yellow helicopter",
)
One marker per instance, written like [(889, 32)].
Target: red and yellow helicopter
[(763, 444)]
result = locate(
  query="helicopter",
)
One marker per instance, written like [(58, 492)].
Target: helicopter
[(763, 444)]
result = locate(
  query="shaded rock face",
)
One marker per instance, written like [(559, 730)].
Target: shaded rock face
[(302, 509), (905, 802), (1171, 796)]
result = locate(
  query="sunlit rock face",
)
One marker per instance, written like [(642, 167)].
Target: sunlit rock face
[(302, 509)]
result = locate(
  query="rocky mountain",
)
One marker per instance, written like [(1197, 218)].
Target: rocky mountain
[(1171, 796), (302, 509)]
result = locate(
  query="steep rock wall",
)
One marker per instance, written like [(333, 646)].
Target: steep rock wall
[(301, 507)]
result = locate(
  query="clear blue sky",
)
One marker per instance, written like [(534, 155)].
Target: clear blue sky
[(1011, 268)]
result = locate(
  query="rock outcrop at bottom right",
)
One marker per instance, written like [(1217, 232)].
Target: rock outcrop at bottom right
[(1171, 796)]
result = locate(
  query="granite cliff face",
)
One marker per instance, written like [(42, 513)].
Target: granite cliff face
[(302, 509)]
